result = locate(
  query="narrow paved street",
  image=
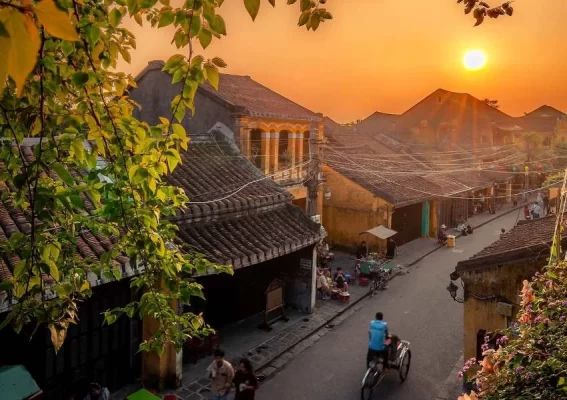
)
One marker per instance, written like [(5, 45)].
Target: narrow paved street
[(417, 307)]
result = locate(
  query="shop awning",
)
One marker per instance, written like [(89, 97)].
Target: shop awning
[(16, 383), (381, 232)]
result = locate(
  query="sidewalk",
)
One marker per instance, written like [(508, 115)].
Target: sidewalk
[(270, 351)]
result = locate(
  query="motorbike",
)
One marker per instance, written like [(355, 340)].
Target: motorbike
[(399, 360)]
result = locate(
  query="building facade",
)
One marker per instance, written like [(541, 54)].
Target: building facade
[(492, 279), (273, 132)]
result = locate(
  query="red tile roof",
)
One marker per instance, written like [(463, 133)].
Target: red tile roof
[(14, 220), (543, 119), (257, 99), (529, 239), (247, 96), (378, 176)]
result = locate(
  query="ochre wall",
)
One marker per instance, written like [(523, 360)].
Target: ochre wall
[(350, 211), (504, 281)]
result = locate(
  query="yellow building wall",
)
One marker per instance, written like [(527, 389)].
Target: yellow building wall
[(503, 281), (352, 210)]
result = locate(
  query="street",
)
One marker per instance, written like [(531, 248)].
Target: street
[(417, 308)]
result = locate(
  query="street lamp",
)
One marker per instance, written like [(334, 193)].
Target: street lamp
[(452, 289)]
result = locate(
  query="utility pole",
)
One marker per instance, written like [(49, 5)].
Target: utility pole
[(313, 170)]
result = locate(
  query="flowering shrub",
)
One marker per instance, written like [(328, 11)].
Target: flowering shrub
[(534, 364)]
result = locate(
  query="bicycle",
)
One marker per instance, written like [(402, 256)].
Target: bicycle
[(379, 281), (376, 373)]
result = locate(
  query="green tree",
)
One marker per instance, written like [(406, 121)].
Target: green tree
[(58, 84)]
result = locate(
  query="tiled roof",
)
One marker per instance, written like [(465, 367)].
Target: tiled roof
[(527, 240), (449, 185), (373, 176), (14, 220), (257, 99), (246, 96), (543, 119), (214, 172), (244, 217), (252, 238), (377, 122)]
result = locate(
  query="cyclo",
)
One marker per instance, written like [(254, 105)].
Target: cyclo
[(399, 359)]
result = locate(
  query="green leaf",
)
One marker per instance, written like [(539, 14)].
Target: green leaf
[(63, 174), (252, 6), (218, 25), (92, 32), (173, 158), (173, 62), (166, 18), (148, 3), (212, 74), (115, 17), (6, 286), (195, 27), (219, 62), (133, 8), (205, 37), (79, 79), (178, 131)]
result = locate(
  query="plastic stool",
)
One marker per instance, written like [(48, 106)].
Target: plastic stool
[(344, 297), (363, 281)]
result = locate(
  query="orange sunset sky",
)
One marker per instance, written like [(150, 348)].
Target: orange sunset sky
[(385, 55)]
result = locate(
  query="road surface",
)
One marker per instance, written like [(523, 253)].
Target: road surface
[(417, 308)]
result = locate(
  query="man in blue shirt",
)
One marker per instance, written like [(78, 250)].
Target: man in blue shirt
[(377, 333)]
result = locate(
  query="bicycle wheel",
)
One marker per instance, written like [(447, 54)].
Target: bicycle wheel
[(368, 385), (405, 366), (366, 392), (373, 287)]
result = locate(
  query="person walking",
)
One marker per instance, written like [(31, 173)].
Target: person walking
[(221, 374), (245, 382)]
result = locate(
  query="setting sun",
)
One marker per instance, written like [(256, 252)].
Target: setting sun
[(474, 60)]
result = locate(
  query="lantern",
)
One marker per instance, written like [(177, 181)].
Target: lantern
[(514, 169), (526, 168)]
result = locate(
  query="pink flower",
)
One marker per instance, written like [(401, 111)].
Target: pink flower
[(460, 375)]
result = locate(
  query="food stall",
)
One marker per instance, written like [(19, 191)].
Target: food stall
[(377, 260)]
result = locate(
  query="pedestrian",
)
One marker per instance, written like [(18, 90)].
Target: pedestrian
[(546, 204), (323, 286), (391, 249), (340, 280), (245, 382), (221, 374), (527, 214), (97, 392), (362, 251)]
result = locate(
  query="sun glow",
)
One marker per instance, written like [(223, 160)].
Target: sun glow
[(473, 60)]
